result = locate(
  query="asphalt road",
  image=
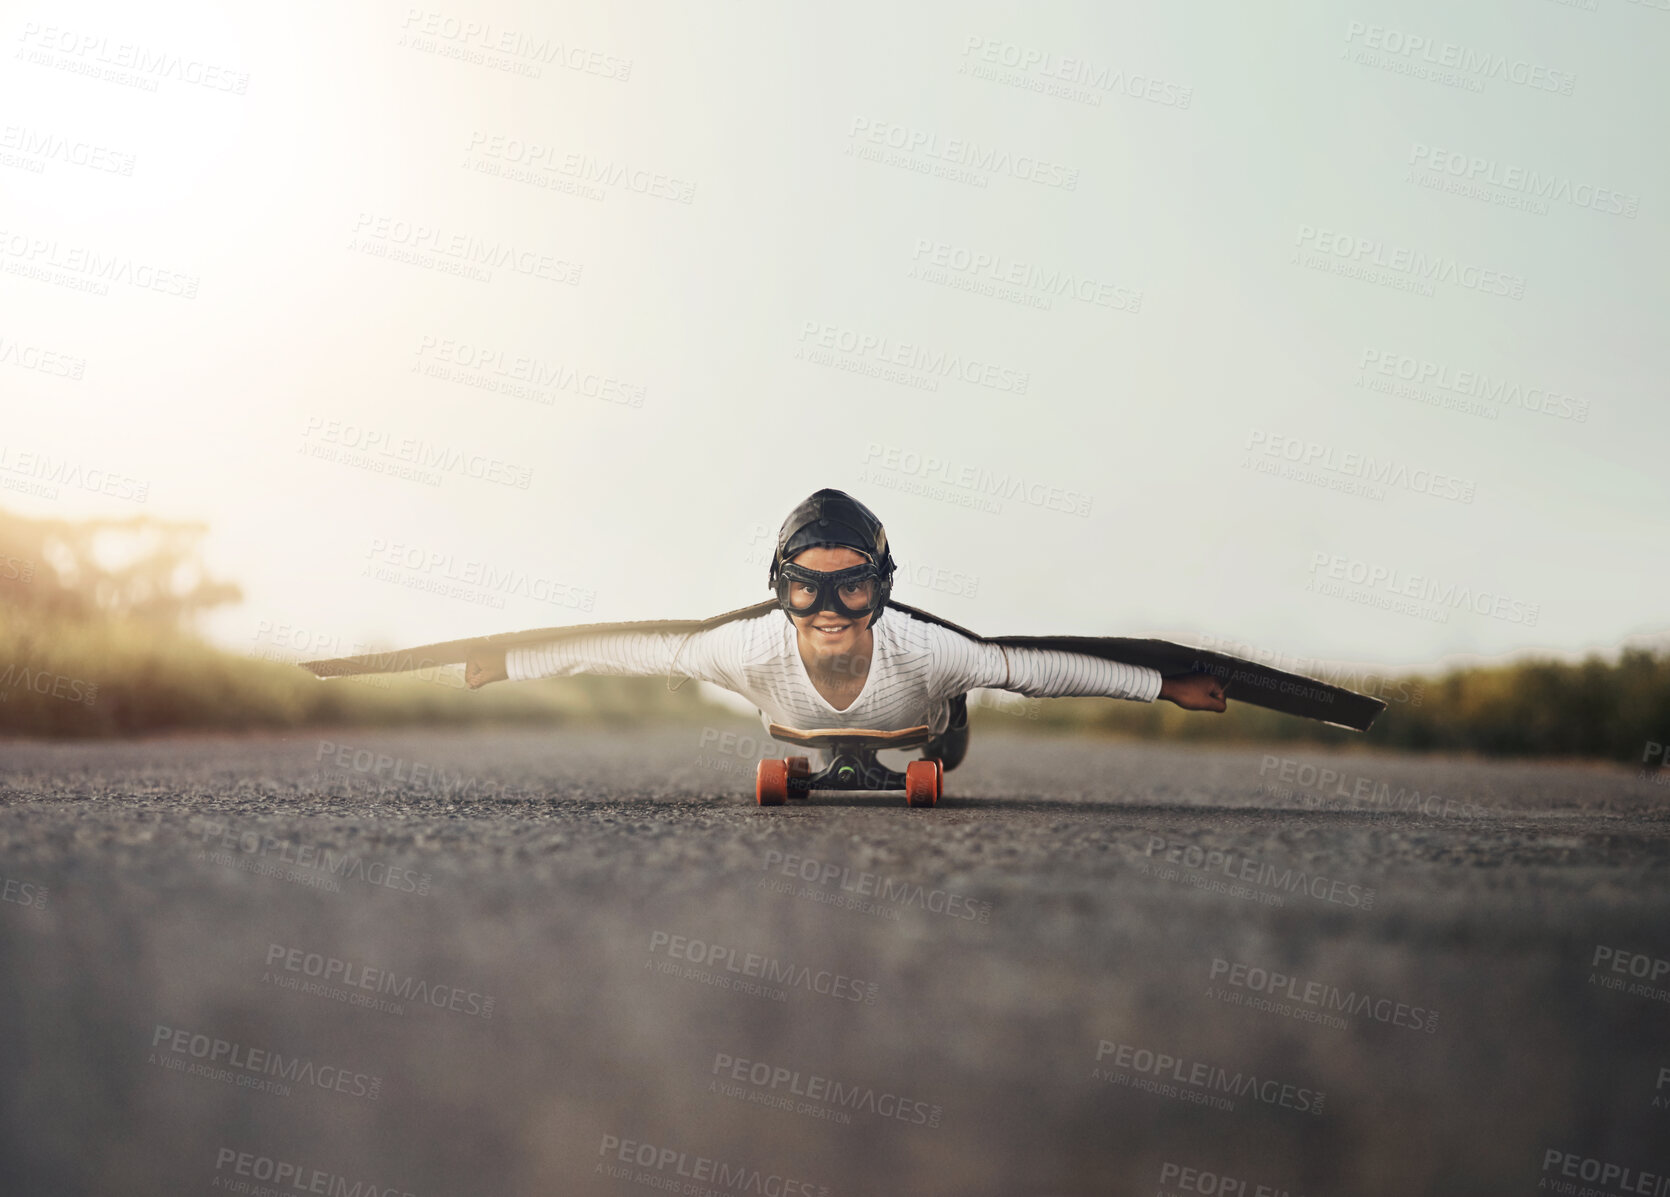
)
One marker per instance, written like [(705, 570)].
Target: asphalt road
[(580, 962)]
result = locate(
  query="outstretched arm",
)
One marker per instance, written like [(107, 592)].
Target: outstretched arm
[(710, 655), (1058, 673)]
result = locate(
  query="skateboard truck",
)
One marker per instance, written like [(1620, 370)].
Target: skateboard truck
[(852, 765)]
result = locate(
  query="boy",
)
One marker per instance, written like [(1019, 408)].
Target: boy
[(837, 662)]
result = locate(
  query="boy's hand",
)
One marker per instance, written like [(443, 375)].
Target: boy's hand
[(483, 666), (1195, 691)]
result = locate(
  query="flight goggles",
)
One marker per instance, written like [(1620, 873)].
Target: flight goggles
[(855, 591)]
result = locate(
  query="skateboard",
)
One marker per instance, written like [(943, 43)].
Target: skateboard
[(852, 765)]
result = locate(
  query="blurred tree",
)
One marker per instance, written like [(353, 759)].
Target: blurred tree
[(136, 567)]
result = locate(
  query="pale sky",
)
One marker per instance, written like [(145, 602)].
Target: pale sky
[(867, 185)]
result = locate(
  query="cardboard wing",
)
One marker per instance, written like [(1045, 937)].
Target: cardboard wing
[(1248, 681)]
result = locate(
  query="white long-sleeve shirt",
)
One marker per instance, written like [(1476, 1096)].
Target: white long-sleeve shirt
[(916, 668)]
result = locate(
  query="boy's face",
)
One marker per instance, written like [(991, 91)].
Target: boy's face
[(829, 634)]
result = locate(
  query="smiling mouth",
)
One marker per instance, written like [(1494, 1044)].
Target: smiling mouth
[(830, 631)]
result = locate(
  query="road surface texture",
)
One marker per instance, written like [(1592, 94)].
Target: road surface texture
[(584, 962)]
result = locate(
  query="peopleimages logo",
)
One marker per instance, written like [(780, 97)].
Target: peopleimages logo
[(1382, 471), (983, 269), (455, 251), (1238, 867), (1331, 568), (323, 862), (355, 975), (1320, 995), (875, 133), (240, 1064), (1616, 1177), (45, 361), (768, 969), (1425, 53), (443, 571), (379, 449), (1475, 168), (884, 352), (40, 146), (1473, 384), (1071, 77), (523, 376), (1355, 789), (1364, 255), (288, 1176), (1653, 760), (976, 479), (1207, 1079), (700, 1172), (150, 65), (46, 683), (1647, 970), (832, 1097), (581, 168), (411, 773), (1215, 1184), (42, 474), (23, 893), (475, 39), (878, 885), (96, 270)]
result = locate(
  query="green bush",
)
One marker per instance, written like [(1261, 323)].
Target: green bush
[(1534, 707), (73, 676)]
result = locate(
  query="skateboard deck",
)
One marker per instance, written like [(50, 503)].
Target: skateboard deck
[(1248, 681), (852, 737)]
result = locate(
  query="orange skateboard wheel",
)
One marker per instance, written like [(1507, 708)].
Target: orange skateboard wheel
[(771, 783), (800, 769), (922, 783)]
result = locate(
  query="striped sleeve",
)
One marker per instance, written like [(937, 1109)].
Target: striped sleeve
[(1054, 673), (965, 664), (710, 655)]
